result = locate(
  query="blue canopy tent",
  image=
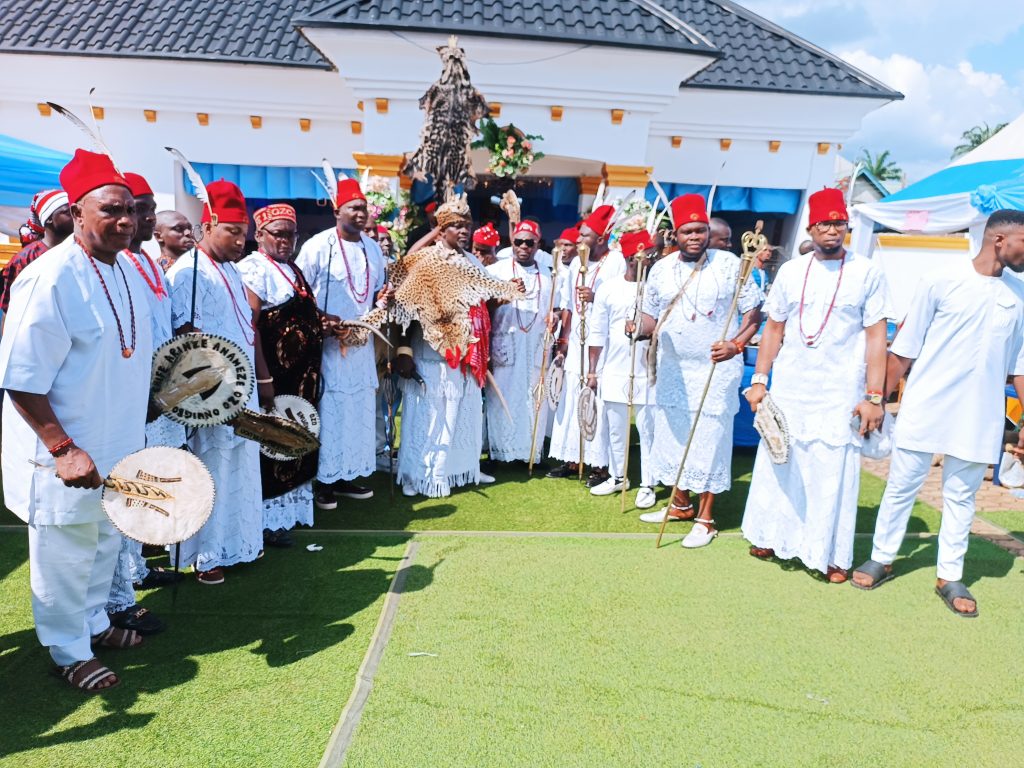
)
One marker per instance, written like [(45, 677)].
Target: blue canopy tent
[(959, 197), (25, 169)]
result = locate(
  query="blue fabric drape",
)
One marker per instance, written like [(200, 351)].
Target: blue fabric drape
[(27, 168), (266, 182), (754, 199)]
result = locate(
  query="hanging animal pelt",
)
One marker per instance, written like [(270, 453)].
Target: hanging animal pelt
[(453, 107)]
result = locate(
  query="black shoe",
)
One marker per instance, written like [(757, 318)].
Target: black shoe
[(279, 538), (568, 469), (158, 577), (351, 490), (324, 498), (597, 477), (139, 619)]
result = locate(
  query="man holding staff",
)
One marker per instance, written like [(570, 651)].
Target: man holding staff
[(623, 378), (687, 305), (76, 356)]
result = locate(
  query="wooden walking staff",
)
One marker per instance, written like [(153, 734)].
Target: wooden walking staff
[(752, 243), (538, 391), (583, 252), (641, 285)]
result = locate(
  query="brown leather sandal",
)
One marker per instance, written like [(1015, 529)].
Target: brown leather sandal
[(87, 676), (115, 637)]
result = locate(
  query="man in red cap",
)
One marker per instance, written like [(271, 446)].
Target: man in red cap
[(292, 335), (565, 244), (830, 309), (518, 331), (54, 213), (208, 296), (346, 270), (577, 291), (618, 373), (132, 571), (485, 244), (75, 362), (689, 298)]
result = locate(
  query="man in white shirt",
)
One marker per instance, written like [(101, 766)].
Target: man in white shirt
[(687, 305), (623, 371), (346, 270), (963, 335), (75, 361), (518, 331), (577, 292), (826, 314)]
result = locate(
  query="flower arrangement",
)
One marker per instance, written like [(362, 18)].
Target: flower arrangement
[(380, 199), (512, 151), (633, 218)]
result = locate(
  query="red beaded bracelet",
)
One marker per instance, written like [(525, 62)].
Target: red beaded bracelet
[(60, 447)]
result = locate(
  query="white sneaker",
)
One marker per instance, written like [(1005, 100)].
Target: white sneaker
[(645, 498), (485, 479), (408, 490), (608, 487), (699, 536)]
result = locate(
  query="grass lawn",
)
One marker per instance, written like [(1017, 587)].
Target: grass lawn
[(251, 673), (518, 503), (581, 652), (1012, 521)]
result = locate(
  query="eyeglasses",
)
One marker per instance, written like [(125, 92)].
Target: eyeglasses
[(283, 236), (825, 226), (527, 243)]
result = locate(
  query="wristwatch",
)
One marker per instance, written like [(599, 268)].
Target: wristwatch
[(759, 378), (875, 398)]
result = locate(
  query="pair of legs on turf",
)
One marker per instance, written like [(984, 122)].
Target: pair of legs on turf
[(960, 482)]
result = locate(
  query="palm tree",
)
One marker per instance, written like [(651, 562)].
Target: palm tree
[(880, 166), (975, 137)]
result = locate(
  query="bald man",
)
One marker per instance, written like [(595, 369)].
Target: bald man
[(173, 233), (721, 234)]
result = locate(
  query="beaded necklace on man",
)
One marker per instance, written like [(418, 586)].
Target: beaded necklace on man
[(535, 294), (296, 285), (240, 318), (126, 350), (698, 272), (814, 338)]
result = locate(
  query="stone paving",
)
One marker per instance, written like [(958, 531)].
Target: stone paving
[(990, 498)]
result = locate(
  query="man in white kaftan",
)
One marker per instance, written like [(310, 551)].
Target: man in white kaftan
[(623, 377), (346, 270), (518, 333), (131, 568), (75, 361), (963, 333), (234, 532), (577, 294), (826, 314), (687, 305)]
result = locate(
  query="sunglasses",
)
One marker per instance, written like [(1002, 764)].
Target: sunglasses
[(528, 243)]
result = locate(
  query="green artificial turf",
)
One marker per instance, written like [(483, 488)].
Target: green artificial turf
[(582, 652), (518, 503), (1013, 521), (250, 673)]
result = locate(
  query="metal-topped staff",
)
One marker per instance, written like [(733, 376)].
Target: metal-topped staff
[(538, 391), (583, 253), (752, 243)]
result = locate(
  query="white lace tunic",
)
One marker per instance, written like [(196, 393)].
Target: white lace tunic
[(234, 532), (348, 426), (517, 348), (695, 322)]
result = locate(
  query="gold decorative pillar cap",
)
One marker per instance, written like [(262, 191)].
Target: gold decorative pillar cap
[(628, 176), (379, 165)]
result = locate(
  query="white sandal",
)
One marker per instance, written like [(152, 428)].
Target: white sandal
[(700, 535)]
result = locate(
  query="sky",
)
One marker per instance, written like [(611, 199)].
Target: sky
[(958, 64)]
